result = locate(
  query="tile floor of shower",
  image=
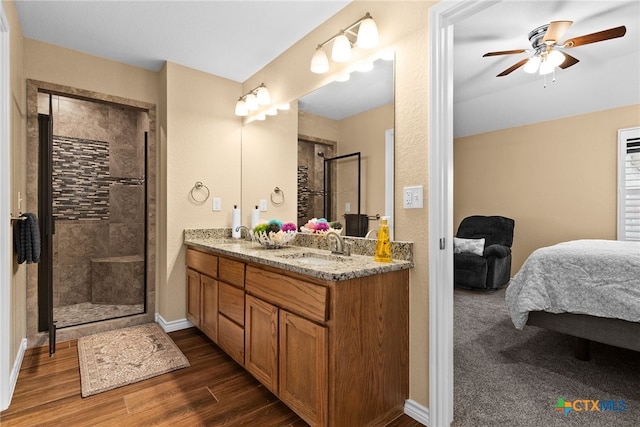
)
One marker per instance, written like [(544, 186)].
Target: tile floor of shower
[(86, 312)]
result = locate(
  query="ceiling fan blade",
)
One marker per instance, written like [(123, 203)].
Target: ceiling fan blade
[(611, 33), (513, 67), (568, 61), (556, 30), (504, 52)]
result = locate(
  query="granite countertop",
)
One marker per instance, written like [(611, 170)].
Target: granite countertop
[(296, 258)]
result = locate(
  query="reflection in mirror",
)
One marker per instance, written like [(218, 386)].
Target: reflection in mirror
[(344, 118)]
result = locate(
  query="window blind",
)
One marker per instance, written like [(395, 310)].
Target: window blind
[(629, 184)]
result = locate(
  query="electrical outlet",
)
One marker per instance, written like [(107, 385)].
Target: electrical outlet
[(412, 197), (347, 207), (217, 204), (263, 205)]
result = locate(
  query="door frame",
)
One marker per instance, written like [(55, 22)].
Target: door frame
[(6, 386), (442, 19)]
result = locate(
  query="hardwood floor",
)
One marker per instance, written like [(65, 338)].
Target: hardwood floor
[(213, 391)]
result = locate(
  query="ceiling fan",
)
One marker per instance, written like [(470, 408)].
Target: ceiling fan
[(546, 54)]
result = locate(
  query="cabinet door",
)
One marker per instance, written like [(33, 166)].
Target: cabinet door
[(209, 309), (303, 367), (261, 342), (193, 297)]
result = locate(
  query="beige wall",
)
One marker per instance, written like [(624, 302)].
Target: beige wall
[(18, 120), (556, 179), (202, 144), (365, 133), (265, 144), (403, 27)]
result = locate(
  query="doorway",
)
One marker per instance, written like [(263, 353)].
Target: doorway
[(103, 228), (92, 210)]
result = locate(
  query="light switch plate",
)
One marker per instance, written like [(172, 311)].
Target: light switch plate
[(412, 197), (347, 207), (217, 204), (263, 205)]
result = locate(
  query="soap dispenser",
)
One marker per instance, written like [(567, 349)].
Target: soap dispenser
[(383, 246)]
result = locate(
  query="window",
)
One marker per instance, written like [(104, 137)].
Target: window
[(629, 184)]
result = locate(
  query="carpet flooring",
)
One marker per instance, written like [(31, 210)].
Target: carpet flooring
[(507, 377), (116, 358)]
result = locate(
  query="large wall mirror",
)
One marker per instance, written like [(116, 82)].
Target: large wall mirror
[(334, 121)]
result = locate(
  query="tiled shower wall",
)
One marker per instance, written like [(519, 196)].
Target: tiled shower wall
[(311, 179), (98, 163)]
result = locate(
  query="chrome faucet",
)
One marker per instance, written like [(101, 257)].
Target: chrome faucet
[(370, 232), (342, 248), (247, 234)]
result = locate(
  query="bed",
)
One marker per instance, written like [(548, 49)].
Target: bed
[(589, 289)]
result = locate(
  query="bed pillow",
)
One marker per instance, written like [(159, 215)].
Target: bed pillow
[(469, 246)]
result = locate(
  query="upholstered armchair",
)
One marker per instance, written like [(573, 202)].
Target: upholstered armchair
[(482, 252)]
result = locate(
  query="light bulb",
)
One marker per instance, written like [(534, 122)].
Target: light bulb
[(284, 107), (261, 116), (545, 68), (341, 51), (273, 111), (241, 108), (343, 77), (263, 95), (252, 102), (368, 33), (532, 65), (319, 62), (555, 58)]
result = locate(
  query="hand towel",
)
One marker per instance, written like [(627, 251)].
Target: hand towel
[(26, 239)]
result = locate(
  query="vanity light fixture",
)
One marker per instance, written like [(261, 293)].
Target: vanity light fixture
[(366, 37), (252, 100)]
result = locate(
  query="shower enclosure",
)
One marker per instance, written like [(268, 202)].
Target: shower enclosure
[(93, 205)]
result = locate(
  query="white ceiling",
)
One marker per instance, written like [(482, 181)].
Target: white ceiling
[(607, 76), (235, 39)]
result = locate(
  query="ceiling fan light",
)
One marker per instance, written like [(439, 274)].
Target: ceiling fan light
[(546, 68), (368, 34), (263, 96), (341, 51), (241, 108), (319, 62), (252, 102), (532, 65), (555, 58)]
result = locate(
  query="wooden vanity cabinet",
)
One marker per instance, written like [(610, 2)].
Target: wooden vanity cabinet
[(202, 292), (336, 353), (231, 317)]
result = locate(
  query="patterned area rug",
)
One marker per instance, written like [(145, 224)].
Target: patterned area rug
[(114, 359)]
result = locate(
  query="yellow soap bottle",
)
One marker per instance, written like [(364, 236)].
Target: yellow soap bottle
[(383, 247)]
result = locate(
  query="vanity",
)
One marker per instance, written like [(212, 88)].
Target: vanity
[(327, 334)]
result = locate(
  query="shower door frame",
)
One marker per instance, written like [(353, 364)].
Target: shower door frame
[(35, 338)]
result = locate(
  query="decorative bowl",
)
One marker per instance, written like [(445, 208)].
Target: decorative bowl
[(273, 240)]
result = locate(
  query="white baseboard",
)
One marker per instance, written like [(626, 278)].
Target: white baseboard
[(13, 377), (417, 411), (174, 325)]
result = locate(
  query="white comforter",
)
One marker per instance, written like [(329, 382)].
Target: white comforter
[(596, 277)]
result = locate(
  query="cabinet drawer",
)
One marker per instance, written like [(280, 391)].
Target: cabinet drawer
[(296, 295), (231, 302), (231, 338), (202, 262), (232, 272)]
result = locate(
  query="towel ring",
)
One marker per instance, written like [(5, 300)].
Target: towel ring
[(199, 186), (279, 194)]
